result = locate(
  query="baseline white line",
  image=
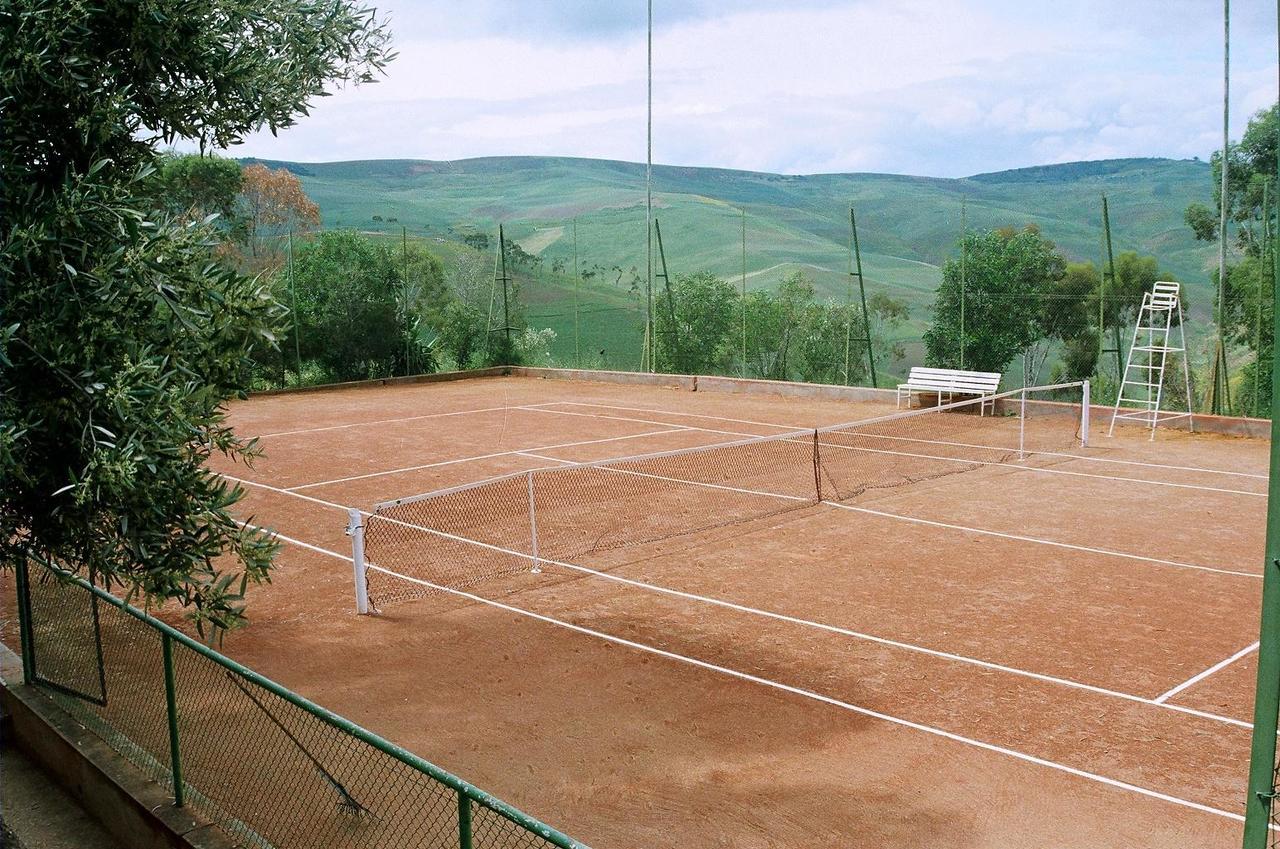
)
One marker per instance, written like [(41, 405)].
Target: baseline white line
[(810, 694), (671, 429), (1217, 667), (674, 413), (651, 421), (1086, 457), (1037, 469), (1038, 541), (393, 421)]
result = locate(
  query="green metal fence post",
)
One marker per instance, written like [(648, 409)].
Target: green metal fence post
[(26, 649), (171, 705), (1266, 704), (464, 820)]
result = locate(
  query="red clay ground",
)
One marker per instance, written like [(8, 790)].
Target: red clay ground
[(987, 666)]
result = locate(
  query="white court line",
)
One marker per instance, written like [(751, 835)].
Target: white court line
[(809, 694), (393, 421), (1086, 457), (649, 421), (671, 429), (1038, 541), (1217, 667), (1037, 469), (260, 485), (674, 413)]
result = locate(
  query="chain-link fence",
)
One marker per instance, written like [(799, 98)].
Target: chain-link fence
[(267, 766), (579, 294)]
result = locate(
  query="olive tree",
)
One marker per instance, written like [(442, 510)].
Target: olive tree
[(122, 338)]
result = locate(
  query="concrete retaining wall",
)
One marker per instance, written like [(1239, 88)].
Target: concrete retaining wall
[(1226, 425), (437, 377)]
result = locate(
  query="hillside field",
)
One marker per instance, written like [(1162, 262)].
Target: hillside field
[(907, 227)]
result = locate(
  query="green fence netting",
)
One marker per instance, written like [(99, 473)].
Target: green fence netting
[(267, 766)]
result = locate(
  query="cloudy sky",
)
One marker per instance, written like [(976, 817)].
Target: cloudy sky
[(933, 87)]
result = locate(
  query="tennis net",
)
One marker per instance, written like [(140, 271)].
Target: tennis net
[(508, 528)]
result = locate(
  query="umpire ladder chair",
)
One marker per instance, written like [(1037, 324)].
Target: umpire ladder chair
[(1142, 385)]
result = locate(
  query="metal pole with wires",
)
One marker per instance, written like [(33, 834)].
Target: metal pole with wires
[(964, 238), (577, 298), (1220, 399), (744, 293), (648, 205)]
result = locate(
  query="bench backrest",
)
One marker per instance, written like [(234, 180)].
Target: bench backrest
[(954, 380)]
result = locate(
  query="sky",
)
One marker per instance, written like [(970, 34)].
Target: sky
[(939, 88)]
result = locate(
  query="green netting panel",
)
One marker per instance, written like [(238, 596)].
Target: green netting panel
[(66, 639), (272, 773), (132, 717)]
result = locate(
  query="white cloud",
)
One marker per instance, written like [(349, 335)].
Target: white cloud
[(921, 86)]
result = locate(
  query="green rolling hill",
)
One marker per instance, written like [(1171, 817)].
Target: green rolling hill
[(907, 225)]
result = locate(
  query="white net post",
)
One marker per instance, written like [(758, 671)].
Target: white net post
[(1084, 414), (355, 529), (533, 526), (1022, 426)]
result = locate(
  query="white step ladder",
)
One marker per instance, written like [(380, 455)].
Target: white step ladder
[(1142, 384)]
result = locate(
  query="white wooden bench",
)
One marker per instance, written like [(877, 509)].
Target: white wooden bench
[(949, 382)]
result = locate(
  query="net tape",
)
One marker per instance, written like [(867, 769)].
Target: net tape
[(512, 525)]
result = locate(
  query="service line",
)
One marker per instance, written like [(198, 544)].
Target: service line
[(1195, 679), (515, 451), (402, 419)]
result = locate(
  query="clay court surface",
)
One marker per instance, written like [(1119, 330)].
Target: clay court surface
[(1013, 656)]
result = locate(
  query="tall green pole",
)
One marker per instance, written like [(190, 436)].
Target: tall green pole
[(862, 290), (1221, 402), (744, 293), (506, 306), (964, 236), (408, 327), (1266, 702), (1110, 274), (848, 302), (1257, 321), (648, 206), (577, 298), (293, 296)]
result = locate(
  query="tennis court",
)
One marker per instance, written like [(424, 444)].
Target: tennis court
[(656, 617)]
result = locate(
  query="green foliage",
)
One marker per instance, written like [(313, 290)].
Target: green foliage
[(1250, 319), (706, 313), (195, 186), (1005, 275), (1251, 166), (792, 335), (123, 340), (362, 306)]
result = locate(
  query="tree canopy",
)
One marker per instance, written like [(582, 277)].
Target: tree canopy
[(1004, 277), (361, 305), (122, 339)]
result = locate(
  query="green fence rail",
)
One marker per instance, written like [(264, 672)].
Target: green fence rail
[(266, 765)]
